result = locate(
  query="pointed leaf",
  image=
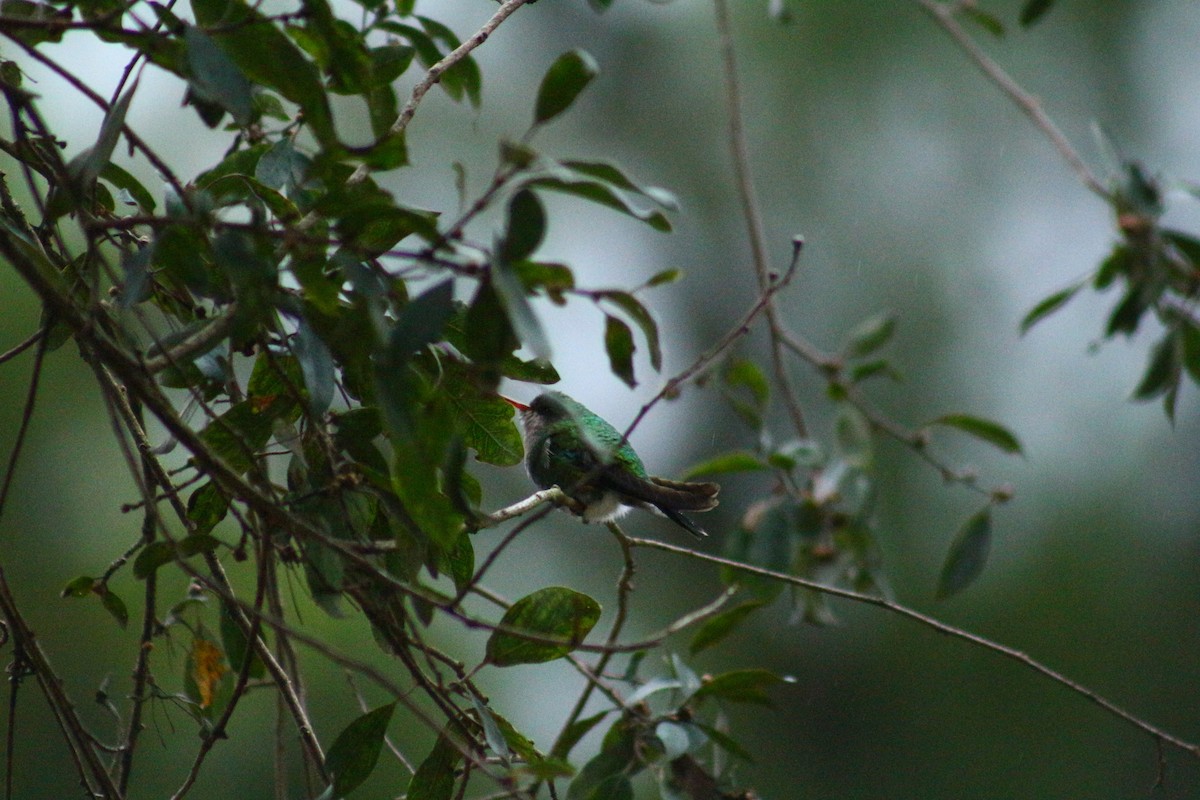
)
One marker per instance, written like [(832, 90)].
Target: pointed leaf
[(736, 461), (618, 343), (968, 554), (740, 686), (1048, 306), (870, 335), (434, 779), (526, 226), (421, 322), (644, 320), (990, 432), (354, 753), (551, 613), (1033, 10), (567, 77), (215, 78), (717, 628)]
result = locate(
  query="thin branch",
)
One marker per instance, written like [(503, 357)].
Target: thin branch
[(740, 329), (26, 417), (943, 14), (17, 349), (751, 211), (941, 627)]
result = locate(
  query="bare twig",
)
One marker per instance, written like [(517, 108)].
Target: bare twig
[(26, 417), (755, 228), (943, 14), (941, 627)]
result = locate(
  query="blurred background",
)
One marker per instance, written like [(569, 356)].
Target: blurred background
[(921, 191)]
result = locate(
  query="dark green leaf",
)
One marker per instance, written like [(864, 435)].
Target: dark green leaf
[(644, 320), (551, 613), (121, 179), (421, 322), (47, 24), (115, 606), (725, 742), (316, 363), (715, 629), (526, 226), (986, 430), (434, 778), (1033, 10), (237, 646), (1048, 306), (618, 343), (989, 22), (853, 432), (869, 336), (524, 322), (736, 461), (606, 775), (265, 55), (79, 587), (740, 686), (486, 421), (566, 78), (576, 731), (157, 553), (215, 77), (604, 195), (1189, 337), (237, 435), (206, 507), (1119, 262), (87, 166), (664, 277), (745, 373), (968, 554), (354, 753), (1163, 369)]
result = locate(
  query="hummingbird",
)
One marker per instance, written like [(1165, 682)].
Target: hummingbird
[(569, 446)]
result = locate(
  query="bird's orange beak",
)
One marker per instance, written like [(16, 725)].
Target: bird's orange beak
[(514, 403)]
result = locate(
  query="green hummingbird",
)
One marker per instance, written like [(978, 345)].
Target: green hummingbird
[(568, 446)]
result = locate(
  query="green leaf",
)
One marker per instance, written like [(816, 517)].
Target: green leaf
[(1033, 10), (157, 553), (740, 686), (87, 166), (236, 645), (485, 420), (604, 195), (121, 179), (555, 613), (725, 742), (618, 343), (1048, 306), (525, 324), (81, 586), (853, 432), (566, 78), (355, 752), (576, 731), (736, 461), (316, 364), (115, 606), (526, 226), (44, 21), (265, 55), (421, 322), (989, 22), (1162, 370), (1189, 338), (664, 277), (747, 374), (215, 78), (642, 318), (605, 776), (968, 554), (715, 629), (434, 778), (206, 507), (870, 335), (986, 430)]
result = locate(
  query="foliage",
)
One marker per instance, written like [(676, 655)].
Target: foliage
[(328, 356)]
